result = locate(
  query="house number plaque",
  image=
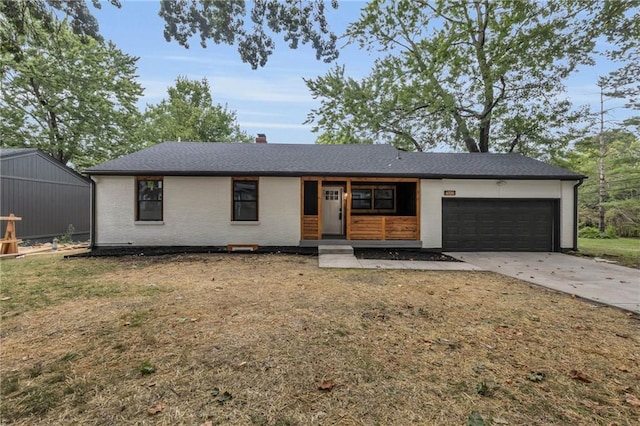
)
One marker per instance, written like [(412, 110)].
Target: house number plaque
[(449, 192)]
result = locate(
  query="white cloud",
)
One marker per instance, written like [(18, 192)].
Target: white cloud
[(262, 113), (155, 90), (208, 60), (271, 125), (285, 90)]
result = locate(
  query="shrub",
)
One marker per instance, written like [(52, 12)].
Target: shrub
[(593, 233)]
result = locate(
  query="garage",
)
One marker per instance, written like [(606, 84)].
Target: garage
[(500, 224)]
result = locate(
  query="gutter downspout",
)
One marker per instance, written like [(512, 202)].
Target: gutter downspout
[(575, 214), (92, 224)]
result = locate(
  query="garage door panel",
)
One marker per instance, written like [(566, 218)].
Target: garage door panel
[(499, 224)]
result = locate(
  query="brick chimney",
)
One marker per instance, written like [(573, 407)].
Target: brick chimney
[(262, 138)]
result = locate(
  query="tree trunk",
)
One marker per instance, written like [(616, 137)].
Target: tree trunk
[(485, 128), (55, 138), (471, 144)]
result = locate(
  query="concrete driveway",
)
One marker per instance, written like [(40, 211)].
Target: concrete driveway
[(598, 281)]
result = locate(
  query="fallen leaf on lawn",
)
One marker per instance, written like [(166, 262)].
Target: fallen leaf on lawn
[(591, 404), (500, 421), (632, 400), (158, 408), (537, 376), (207, 423), (226, 396), (623, 368), (475, 419), (5, 298), (579, 375), (242, 364), (326, 386)]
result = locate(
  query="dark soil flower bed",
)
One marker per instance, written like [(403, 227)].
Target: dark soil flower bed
[(401, 254)]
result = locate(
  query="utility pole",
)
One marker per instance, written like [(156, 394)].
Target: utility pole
[(602, 188)]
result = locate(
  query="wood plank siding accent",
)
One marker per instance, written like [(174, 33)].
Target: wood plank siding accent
[(384, 227), (366, 226), (401, 227), (310, 227)]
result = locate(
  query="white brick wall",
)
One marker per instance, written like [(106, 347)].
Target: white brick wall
[(197, 212)]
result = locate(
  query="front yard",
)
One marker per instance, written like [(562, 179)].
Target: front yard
[(625, 251), (274, 340)]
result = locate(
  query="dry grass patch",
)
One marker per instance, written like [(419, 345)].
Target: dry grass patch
[(274, 340)]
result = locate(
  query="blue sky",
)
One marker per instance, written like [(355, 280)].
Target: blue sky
[(272, 100)]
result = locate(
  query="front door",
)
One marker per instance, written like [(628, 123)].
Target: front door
[(332, 211)]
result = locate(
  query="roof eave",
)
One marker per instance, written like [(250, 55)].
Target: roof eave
[(319, 173)]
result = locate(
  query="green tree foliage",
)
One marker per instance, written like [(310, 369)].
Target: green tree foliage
[(222, 22), (189, 114), (480, 75), (81, 21), (619, 22), (230, 22), (622, 163), (70, 96)]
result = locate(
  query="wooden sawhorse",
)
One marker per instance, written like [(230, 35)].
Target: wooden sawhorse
[(9, 244)]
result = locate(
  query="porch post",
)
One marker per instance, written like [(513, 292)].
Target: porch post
[(347, 209), (319, 209)]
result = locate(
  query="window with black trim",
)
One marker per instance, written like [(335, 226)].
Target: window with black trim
[(361, 199), (368, 199), (311, 198), (245, 200), (149, 198), (383, 199)]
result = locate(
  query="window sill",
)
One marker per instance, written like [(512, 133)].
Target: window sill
[(245, 222), (149, 222)]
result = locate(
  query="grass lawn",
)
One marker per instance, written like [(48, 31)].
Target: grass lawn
[(626, 251), (274, 340)]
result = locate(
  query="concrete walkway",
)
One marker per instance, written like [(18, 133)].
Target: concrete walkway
[(602, 282), (342, 257)]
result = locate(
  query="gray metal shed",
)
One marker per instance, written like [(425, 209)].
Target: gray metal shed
[(50, 197)]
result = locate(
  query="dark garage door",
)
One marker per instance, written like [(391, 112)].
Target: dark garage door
[(500, 225)]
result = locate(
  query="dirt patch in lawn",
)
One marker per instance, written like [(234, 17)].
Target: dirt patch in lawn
[(274, 340)]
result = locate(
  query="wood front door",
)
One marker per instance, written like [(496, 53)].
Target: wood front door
[(332, 214)]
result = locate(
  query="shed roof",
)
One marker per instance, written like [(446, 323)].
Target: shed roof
[(26, 164), (9, 152), (236, 159)]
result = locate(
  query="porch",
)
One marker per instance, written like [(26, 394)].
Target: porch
[(362, 212)]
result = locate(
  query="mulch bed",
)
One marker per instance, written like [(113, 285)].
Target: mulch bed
[(401, 254)]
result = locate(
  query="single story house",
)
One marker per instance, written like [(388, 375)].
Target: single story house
[(283, 195), (52, 199)]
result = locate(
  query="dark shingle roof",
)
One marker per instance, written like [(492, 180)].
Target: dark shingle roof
[(233, 159), (10, 152)]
